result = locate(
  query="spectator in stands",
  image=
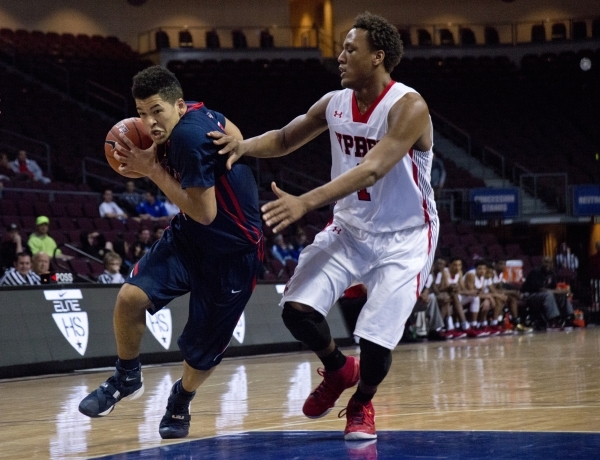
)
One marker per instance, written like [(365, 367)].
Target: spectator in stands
[(171, 208), (40, 263), (141, 246), (108, 208), (28, 169), (10, 246), (595, 278), (157, 233), (545, 300), (438, 175), (299, 244), (151, 208), (21, 274), (121, 247), (40, 240), (95, 244), (130, 198), (6, 172), (281, 249), (112, 267)]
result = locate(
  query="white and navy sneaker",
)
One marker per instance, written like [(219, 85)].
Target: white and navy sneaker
[(176, 421), (123, 385)]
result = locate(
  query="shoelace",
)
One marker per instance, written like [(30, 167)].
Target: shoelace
[(356, 417), (322, 386)]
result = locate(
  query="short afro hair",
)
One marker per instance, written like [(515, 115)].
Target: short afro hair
[(157, 80), (382, 36)]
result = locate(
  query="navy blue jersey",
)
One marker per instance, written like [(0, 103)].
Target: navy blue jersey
[(192, 159)]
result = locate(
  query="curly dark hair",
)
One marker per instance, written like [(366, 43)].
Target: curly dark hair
[(156, 80), (382, 36)]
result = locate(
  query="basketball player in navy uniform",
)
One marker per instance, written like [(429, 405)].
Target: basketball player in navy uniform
[(211, 249), (385, 226)]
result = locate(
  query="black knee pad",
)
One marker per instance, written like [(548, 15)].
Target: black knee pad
[(375, 362), (310, 328)]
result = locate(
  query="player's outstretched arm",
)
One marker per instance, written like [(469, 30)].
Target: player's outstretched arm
[(279, 142), (409, 126)]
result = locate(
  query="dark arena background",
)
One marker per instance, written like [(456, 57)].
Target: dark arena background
[(513, 89)]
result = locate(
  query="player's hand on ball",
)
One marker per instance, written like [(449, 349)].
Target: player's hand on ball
[(284, 211), (135, 160)]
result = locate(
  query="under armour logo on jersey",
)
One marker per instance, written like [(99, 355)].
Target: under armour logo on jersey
[(337, 114), (337, 230)]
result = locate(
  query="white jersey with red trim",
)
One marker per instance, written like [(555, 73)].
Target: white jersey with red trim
[(403, 198)]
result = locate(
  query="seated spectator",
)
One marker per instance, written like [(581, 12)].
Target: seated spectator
[(10, 246), (41, 241), (299, 243), (151, 208), (6, 172), (28, 169), (142, 245), (172, 208), (543, 298), (94, 244), (21, 274), (281, 250), (40, 264), (121, 247), (112, 267), (130, 198), (108, 208), (157, 233)]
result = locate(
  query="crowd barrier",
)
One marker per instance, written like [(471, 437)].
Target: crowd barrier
[(53, 329)]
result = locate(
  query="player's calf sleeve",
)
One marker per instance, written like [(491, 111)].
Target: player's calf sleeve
[(310, 328), (375, 362)]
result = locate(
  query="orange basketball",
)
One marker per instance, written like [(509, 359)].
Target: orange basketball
[(135, 130)]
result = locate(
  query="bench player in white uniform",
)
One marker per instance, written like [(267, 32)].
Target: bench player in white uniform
[(385, 225), (476, 285), (460, 297)]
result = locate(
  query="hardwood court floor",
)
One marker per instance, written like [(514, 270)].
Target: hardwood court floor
[(546, 382)]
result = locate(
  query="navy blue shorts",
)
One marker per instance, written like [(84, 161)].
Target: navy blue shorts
[(220, 286)]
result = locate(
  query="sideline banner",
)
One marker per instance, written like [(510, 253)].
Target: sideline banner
[(586, 200), (45, 324), (494, 203)]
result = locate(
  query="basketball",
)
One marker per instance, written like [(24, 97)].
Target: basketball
[(135, 130)]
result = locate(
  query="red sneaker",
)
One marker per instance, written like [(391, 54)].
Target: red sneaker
[(322, 400), (360, 421), (456, 334)]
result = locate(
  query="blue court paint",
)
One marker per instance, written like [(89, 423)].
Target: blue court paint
[(397, 445)]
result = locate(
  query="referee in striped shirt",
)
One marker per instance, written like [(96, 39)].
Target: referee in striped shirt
[(21, 274)]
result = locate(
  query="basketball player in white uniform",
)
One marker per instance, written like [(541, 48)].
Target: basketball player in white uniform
[(385, 226)]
